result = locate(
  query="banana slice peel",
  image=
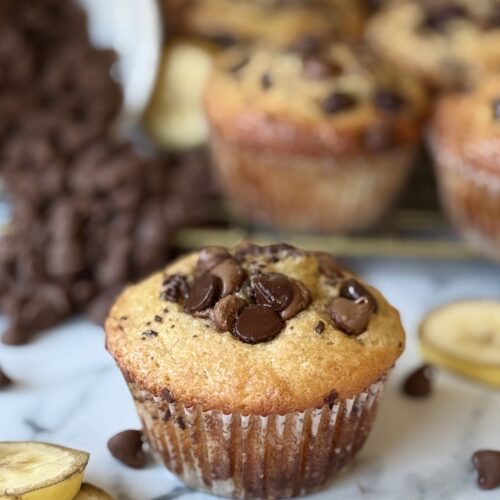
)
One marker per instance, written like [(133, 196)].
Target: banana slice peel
[(40, 471), (91, 492), (464, 337)]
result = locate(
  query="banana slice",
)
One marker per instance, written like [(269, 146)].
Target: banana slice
[(464, 337), (91, 492), (40, 471)]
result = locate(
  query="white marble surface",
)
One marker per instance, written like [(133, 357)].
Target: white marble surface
[(68, 391)]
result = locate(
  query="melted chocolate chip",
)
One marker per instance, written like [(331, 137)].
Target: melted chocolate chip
[(419, 383), (437, 19), (273, 290), (496, 109), (337, 102), (127, 447), (175, 288), (487, 464), (231, 274), (5, 381), (204, 293), (210, 257), (150, 333), (257, 324), (389, 101), (351, 317), (353, 290), (320, 327), (226, 312), (301, 298), (315, 68), (168, 396), (236, 68), (266, 82), (331, 398)]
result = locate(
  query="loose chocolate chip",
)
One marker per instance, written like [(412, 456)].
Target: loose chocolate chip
[(337, 102), (167, 395), (379, 138), (320, 327), (231, 274), (236, 68), (496, 109), (210, 257), (226, 312), (301, 298), (353, 290), (437, 19), (419, 383), (175, 288), (127, 447), (315, 68), (389, 101), (181, 423), (331, 398), (273, 290), (266, 81), (487, 464), (150, 333), (4, 380), (328, 266), (257, 324), (351, 317), (158, 319), (204, 293)]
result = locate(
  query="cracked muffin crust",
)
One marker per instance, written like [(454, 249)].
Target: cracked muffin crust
[(445, 43), (319, 136)]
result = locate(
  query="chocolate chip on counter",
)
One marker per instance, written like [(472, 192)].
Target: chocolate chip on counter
[(337, 102), (315, 68), (320, 327), (204, 293), (175, 288), (168, 396), (256, 324), (150, 334), (389, 101), (301, 299), (273, 290), (331, 398), (328, 266), (14, 336), (349, 316), (127, 447), (226, 312), (353, 290), (266, 81), (231, 274), (5, 381), (487, 465), (496, 109), (419, 383), (237, 67)]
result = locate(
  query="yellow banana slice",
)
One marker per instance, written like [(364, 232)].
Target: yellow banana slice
[(464, 337), (40, 471), (91, 492)]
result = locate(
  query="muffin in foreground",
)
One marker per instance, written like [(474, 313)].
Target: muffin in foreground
[(465, 142), (446, 44), (256, 372), (321, 137)]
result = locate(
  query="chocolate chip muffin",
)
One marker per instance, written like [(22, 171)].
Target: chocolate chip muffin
[(465, 141), (445, 43), (321, 137), (277, 22), (256, 372)]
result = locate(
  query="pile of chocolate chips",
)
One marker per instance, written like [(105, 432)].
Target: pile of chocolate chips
[(88, 214), (253, 305)]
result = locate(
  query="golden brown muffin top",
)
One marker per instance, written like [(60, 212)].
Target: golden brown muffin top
[(313, 98), (277, 22), (467, 124), (258, 329), (445, 42)]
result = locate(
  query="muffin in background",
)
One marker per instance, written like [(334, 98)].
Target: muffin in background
[(465, 142), (321, 137), (230, 22), (256, 372), (445, 44)]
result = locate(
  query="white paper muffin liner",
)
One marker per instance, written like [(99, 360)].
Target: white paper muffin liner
[(321, 193), (471, 197), (253, 456)]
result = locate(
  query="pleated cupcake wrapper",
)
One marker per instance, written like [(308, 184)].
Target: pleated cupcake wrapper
[(471, 197), (252, 456), (306, 192)]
